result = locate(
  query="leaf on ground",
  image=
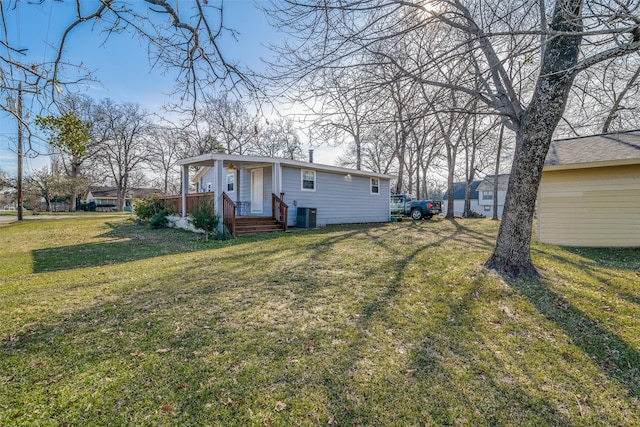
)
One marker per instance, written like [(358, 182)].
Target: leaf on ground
[(280, 406), (137, 353), (167, 408), (311, 346)]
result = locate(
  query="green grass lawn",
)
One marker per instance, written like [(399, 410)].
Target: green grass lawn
[(105, 322)]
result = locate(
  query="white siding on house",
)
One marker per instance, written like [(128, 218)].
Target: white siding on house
[(590, 207), (485, 205), (458, 206), (339, 198)]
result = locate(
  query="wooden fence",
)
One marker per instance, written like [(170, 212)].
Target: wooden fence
[(193, 199)]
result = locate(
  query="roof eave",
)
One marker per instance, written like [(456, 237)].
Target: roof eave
[(209, 159), (588, 165)]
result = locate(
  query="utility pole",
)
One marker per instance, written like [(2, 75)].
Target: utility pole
[(19, 116)]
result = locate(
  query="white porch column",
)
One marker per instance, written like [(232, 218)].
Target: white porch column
[(276, 179), (218, 188), (185, 189)]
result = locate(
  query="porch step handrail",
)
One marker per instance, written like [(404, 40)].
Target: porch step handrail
[(280, 210), (229, 213)]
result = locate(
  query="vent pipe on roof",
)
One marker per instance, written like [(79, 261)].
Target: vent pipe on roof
[(310, 156)]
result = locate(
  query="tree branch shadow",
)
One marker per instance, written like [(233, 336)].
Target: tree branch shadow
[(615, 357)]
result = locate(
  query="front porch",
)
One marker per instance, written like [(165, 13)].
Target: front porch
[(246, 191), (232, 218)]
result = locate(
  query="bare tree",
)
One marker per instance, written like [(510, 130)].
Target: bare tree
[(124, 129), (278, 138), (42, 184), (165, 148), (575, 35), (340, 103), (183, 40), (229, 123)]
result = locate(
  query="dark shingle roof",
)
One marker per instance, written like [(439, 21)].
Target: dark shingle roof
[(487, 182), (459, 188), (132, 193), (618, 146)]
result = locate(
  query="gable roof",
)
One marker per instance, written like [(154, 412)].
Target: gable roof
[(112, 192), (608, 149), (487, 182), (240, 162), (460, 188)]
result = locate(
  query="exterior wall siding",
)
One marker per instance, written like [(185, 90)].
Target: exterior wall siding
[(597, 207), (339, 198), (477, 206), (207, 178), (482, 204), (245, 192)]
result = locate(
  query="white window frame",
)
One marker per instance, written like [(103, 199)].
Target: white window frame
[(233, 183), (315, 181), (487, 195), (376, 193)]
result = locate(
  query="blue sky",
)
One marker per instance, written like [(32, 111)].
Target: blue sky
[(121, 64)]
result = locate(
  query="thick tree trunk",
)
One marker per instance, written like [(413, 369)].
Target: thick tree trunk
[(512, 255)]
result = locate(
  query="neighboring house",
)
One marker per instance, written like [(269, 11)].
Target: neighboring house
[(459, 190), (339, 195), (481, 200), (108, 196), (486, 194), (589, 194)]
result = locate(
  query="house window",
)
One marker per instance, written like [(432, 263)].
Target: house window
[(375, 186), (487, 208), (230, 182), (487, 195), (308, 180)]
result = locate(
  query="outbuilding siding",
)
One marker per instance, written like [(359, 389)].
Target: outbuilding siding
[(597, 206), (339, 198)]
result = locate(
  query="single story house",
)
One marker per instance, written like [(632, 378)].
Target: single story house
[(107, 197), (589, 193), (254, 186), (481, 196)]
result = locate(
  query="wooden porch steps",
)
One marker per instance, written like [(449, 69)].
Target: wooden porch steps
[(246, 225)]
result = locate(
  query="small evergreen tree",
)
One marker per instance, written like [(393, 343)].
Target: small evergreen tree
[(204, 217)]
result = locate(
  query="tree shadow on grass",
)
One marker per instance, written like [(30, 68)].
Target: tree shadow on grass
[(610, 267), (616, 358), (441, 360), (613, 258), (129, 242)]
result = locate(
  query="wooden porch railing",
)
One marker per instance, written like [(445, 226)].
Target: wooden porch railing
[(229, 213), (175, 202), (280, 210)]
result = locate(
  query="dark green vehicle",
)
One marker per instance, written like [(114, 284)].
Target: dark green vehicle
[(405, 205)]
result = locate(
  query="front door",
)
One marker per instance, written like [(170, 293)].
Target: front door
[(257, 192)]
